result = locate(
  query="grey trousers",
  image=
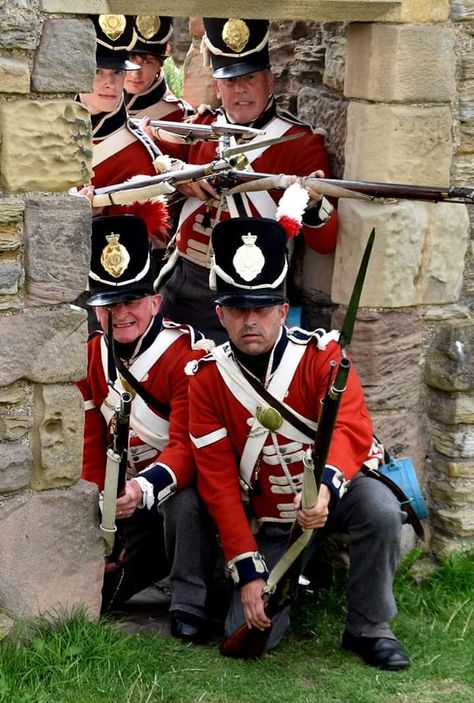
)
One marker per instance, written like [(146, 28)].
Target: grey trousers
[(191, 549), (371, 515), (188, 299)]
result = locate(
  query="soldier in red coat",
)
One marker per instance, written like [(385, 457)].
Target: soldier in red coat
[(245, 85), (250, 456), (146, 91), (145, 355)]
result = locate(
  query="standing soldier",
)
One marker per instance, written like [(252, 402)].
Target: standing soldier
[(245, 84), (146, 92)]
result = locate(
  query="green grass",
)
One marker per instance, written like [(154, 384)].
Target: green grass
[(77, 661), (174, 76)]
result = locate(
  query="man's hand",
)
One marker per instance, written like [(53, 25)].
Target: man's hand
[(315, 517), (127, 503), (88, 192), (254, 605), (202, 190), (313, 193)]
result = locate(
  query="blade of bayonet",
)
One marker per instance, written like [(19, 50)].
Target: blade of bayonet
[(242, 148), (351, 312), (190, 131)]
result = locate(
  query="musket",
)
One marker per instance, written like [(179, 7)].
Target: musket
[(246, 181), (116, 468), (191, 133), (146, 187), (282, 583)]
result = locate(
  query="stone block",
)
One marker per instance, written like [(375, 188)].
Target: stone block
[(317, 271), (58, 553), (400, 63), (198, 83), (11, 274), (442, 546), (44, 345), (458, 524), (413, 261), (11, 210), (46, 145), (399, 143), (57, 249), (387, 351), (449, 360), (452, 409), (456, 441), (15, 467), (9, 239), (335, 63), (320, 110), (453, 494), (20, 25), (69, 43), (6, 625), (14, 75), (454, 469), (58, 415), (15, 426), (462, 10)]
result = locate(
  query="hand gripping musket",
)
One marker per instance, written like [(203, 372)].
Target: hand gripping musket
[(282, 583), (117, 452), (147, 187)]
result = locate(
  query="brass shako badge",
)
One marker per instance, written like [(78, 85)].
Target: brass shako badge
[(235, 34), (148, 25), (115, 258), (113, 26)]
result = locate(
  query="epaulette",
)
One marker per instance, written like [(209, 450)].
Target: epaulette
[(289, 117), (197, 338), (186, 107), (319, 335), (192, 367)]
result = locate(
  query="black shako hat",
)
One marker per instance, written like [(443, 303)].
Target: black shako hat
[(237, 46), (151, 34), (250, 262), (114, 36), (120, 268)]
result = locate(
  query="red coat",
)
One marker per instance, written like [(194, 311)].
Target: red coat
[(299, 157), (219, 432), (153, 435)]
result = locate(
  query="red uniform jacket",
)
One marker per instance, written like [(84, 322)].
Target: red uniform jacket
[(220, 432), (153, 436), (299, 157), (158, 103)]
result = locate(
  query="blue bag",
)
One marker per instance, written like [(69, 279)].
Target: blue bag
[(403, 473)]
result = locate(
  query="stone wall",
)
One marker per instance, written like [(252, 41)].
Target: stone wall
[(396, 101)]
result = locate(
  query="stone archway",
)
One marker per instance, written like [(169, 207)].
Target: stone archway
[(408, 72)]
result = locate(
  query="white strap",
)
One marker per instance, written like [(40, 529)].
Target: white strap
[(109, 146)]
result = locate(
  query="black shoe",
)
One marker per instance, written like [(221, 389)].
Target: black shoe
[(188, 627), (383, 652)]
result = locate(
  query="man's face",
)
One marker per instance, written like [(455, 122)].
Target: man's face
[(244, 98), (129, 320), (253, 330), (107, 91), (140, 80)]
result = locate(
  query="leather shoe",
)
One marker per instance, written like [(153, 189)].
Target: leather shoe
[(382, 652), (188, 627)]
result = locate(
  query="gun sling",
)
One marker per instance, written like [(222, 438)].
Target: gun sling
[(149, 399)]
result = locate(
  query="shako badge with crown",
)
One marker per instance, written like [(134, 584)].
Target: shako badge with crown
[(248, 260), (115, 258)]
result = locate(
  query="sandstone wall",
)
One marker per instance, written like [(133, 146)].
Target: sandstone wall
[(395, 93)]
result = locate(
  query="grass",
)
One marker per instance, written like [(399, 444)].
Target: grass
[(82, 662), (174, 76)]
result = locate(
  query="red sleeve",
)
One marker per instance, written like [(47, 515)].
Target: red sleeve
[(95, 429), (178, 453), (217, 470)]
